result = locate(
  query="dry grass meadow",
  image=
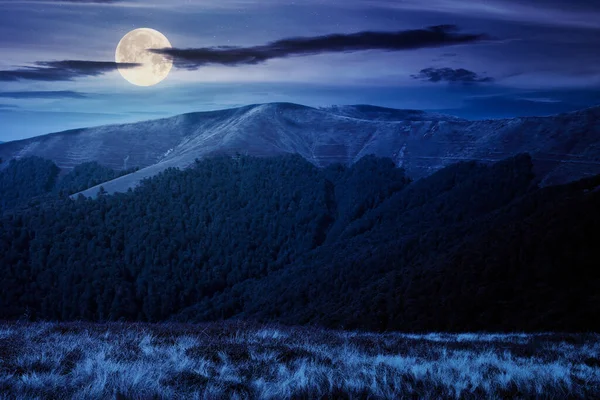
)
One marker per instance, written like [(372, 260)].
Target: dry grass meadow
[(236, 360)]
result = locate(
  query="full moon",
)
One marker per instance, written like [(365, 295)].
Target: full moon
[(133, 48)]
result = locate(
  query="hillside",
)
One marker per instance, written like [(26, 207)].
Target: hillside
[(470, 247), (563, 147), (32, 180)]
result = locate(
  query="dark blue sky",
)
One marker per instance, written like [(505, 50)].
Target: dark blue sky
[(499, 58)]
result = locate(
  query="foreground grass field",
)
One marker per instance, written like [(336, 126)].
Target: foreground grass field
[(242, 360)]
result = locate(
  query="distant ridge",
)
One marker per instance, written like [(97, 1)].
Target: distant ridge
[(376, 113), (564, 147)]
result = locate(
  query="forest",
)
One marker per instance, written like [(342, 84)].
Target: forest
[(472, 247)]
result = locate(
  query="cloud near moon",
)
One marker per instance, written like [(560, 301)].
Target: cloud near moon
[(66, 70), (133, 48), (434, 36)]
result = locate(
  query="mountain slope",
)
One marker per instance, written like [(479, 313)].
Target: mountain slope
[(564, 147), (443, 255), (471, 247)]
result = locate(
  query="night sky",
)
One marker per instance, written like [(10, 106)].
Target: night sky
[(484, 59)]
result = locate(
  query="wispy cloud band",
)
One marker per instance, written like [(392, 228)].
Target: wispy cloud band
[(50, 94), (62, 70), (435, 36)]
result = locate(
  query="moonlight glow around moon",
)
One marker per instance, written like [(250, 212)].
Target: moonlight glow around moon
[(133, 48)]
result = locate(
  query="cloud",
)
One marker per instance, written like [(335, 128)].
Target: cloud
[(83, 1), (66, 70), (451, 75), (540, 99), (435, 36), (61, 94), (576, 13), (68, 1), (63, 4)]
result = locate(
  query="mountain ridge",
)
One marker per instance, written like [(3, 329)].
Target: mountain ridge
[(564, 147)]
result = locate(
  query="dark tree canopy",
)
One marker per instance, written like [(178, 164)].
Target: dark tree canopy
[(32, 180), (471, 247), (25, 179), (87, 175)]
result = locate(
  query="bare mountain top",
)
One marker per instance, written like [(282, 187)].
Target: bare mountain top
[(564, 147)]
